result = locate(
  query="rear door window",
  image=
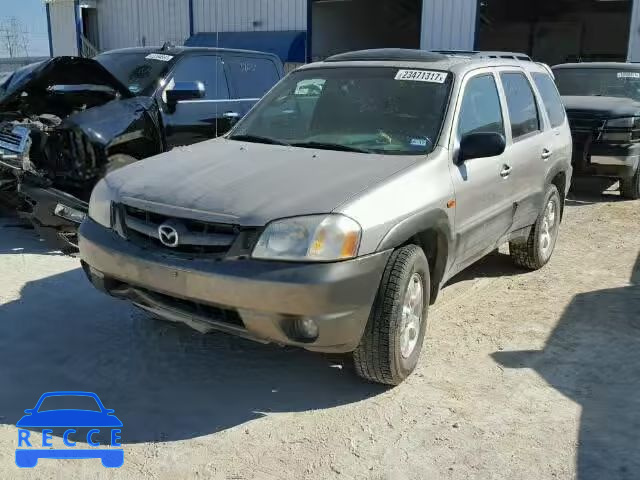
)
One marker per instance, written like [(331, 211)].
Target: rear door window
[(550, 98), (521, 102), (252, 76), (207, 69)]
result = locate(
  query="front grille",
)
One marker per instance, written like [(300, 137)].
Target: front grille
[(584, 122), (14, 138), (195, 237)]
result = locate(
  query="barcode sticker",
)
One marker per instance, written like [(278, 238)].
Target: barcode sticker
[(422, 76), (628, 74), (159, 56)]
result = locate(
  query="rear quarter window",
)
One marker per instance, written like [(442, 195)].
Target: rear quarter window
[(550, 98), (252, 76)]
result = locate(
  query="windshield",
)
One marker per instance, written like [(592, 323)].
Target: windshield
[(367, 109), (138, 71), (605, 82)]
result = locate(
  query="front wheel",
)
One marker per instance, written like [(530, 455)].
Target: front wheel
[(390, 347), (630, 187), (536, 251)]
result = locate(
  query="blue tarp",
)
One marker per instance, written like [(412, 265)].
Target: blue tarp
[(290, 46)]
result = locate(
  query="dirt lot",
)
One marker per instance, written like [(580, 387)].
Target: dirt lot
[(526, 376)]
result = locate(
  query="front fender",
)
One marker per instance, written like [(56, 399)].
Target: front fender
[(414, 225), (433, 231), (121, 122)]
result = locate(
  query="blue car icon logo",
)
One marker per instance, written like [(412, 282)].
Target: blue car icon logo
[(70, 419)]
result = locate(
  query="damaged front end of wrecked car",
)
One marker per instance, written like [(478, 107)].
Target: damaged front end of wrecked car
[(64, 124)]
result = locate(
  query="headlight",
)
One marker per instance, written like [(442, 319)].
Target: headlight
[(316, 238), (626, 122), (100, 204)]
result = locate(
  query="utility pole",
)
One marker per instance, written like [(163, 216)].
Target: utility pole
[(14, 39)]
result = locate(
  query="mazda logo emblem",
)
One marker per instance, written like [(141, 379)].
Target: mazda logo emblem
[(168, 235)]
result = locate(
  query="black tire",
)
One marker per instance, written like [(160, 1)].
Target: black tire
[(378, 358), (630, 187), (118, 161), (530, 254)]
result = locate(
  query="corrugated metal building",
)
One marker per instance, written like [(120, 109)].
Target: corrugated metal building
[(551, 30)]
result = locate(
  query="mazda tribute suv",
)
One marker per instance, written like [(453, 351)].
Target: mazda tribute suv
[(330, 217)]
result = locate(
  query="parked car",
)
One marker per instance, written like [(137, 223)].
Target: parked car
[(603, 104), (67, 121), (330, 217)]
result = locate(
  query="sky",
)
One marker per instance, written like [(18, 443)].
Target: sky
[(33, 17)]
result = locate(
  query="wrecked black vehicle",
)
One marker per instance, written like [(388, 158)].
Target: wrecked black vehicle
[(67, 121), (603, 105)]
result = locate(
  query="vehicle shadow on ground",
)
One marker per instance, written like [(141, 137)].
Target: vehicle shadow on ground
[(591, 190), (165, 382), (18, 237), (593, 357), (494, 265)]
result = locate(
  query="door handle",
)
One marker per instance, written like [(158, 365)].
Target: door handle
[(231, 115), (506, 171), (546, 154)]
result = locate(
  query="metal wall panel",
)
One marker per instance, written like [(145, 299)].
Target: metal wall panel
[(63, 28), (448, 24), (249, 15), (633, 54), (130, 23)]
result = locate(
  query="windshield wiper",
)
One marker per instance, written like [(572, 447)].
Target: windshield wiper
[(331, 146), (258, 139)]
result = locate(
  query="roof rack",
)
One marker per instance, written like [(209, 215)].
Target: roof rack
[(485, 54), (388, 54)]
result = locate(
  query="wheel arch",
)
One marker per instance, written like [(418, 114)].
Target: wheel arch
[(139, 148), (431, 231), (559, 178)]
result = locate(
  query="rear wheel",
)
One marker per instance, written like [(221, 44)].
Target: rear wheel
[(536, 251), (390, 347), (630, 187)]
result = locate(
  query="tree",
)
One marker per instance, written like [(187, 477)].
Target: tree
[(14, 39)]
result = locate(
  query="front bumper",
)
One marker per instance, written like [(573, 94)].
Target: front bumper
[(52, 213), (607, 160), (625, 164), (268, 297)]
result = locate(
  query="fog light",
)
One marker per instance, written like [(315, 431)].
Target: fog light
[(306, 328), (69, 213)]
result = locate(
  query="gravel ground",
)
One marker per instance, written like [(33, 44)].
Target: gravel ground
[(526, 375)]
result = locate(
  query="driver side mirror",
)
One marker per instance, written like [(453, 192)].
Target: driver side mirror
[(184, 91), (481, 145)]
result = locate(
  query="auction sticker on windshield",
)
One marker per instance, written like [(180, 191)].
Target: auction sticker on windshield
[(628, 74), (159, 56), (421, 76)]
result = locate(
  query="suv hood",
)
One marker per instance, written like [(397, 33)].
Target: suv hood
[(36, 79), (250, 184), (606, 107)]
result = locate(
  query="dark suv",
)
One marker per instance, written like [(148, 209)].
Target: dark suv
[(603, 104), (66, 122)]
